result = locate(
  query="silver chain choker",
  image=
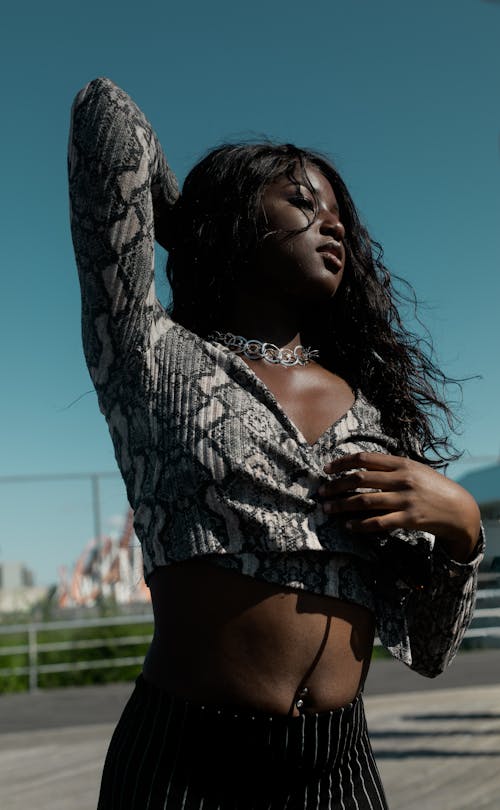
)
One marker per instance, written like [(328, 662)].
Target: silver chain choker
[(259, 350)]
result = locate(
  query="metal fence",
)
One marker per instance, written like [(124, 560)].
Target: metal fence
[(34, 647), (485, 625)]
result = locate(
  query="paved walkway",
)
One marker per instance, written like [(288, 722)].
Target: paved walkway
[(437, 748)]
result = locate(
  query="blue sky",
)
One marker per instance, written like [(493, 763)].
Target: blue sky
[(403, 96)]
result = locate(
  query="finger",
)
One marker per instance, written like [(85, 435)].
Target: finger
[(387, 481), (367, 502), (380, 523), (368, 461)]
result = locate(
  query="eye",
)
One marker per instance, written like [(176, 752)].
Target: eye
[(303, 202)]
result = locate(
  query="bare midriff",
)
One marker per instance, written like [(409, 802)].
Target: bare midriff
[(225, 638)]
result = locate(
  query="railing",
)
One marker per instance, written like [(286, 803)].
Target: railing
[(34, 647), (480, 614)]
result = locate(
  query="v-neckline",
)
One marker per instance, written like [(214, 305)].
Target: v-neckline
[(272, 403), (272, 400)]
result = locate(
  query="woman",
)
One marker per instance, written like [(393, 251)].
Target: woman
[(283, 503)]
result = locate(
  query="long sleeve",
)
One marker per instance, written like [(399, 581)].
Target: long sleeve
[(119, 186), (439, 614), (423, 626)]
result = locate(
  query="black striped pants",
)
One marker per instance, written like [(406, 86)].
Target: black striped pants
[(170, 754)]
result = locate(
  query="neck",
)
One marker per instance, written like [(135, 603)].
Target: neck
[(257, 319)]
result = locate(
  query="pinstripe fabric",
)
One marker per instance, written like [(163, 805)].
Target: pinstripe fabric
[(169, 754)]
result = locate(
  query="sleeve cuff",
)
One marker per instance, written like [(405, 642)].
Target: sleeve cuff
[(443, 560)]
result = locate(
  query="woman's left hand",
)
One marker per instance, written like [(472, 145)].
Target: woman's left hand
[(410, 495)]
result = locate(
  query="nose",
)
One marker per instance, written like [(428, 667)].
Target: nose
[(332, 226)]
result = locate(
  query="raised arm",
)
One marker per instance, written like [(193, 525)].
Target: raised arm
[(120, 189)]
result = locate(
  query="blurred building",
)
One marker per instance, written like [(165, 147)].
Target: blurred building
[(17, 588), (484, 485), (15, 575)]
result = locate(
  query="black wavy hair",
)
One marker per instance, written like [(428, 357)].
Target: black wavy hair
[(218, 226)]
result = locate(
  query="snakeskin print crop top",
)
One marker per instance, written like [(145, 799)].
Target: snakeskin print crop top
[(211, 462)]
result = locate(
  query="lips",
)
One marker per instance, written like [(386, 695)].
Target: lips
[(332, 251)]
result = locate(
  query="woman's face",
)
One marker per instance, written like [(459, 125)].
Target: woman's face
[(310, 263)]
